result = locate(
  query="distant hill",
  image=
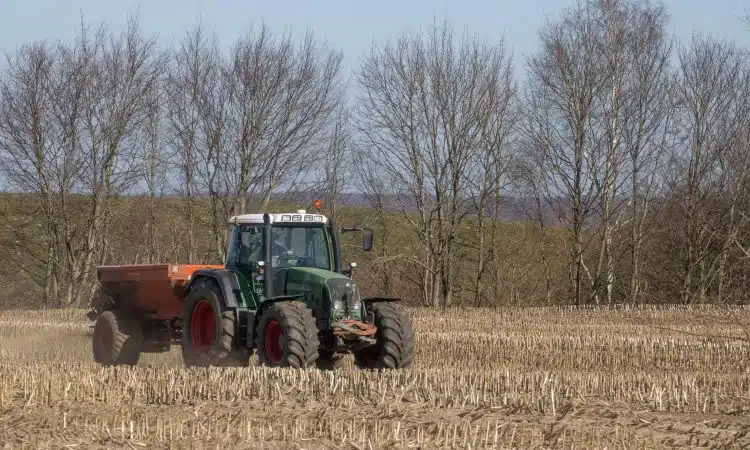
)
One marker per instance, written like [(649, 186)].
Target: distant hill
[(512, 209)]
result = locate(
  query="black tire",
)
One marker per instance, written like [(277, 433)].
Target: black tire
[(292, 336), (328, 360), (395, 340), (117, 339), (213, 342)]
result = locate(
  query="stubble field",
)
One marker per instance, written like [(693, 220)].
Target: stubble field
[(523, 378)]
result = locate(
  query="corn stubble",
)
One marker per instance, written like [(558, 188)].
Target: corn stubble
[(527, 378)]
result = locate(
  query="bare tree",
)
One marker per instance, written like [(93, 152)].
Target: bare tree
[(116, 108), (566, 82), (194, 67), (645, 124), (616, 35), (487, 180), (337, 163), (369, 180), (85, 104), (711, 90), (427, 106), (742, 241), (154, 168), (634, 117), (529, 183), (595, 111), (732, 268), (28, 153), (263, 114)]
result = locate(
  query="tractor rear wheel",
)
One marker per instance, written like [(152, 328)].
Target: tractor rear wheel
[(287, 336), (394, 348), (117, 339), (208, 331)]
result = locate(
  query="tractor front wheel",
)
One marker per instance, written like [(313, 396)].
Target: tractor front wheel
[(117, 339), (394, 347), (287, 336), (208, 331)]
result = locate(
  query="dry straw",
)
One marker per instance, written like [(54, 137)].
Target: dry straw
[(522, 378)]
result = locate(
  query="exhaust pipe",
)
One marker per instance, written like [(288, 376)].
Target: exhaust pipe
[(268, 257)]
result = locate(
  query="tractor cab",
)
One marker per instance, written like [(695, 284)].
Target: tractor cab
[(295, 240), (296, 254)]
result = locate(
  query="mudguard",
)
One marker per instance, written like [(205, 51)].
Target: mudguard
[(225, 279), (276, 299), (282, 298)]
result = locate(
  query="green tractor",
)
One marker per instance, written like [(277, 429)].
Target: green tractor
[(282, 293)]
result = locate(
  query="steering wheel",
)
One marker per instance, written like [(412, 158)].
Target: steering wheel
[(288, 256)]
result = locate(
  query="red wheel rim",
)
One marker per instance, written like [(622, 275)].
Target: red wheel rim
[(274, 349), (202, 326)]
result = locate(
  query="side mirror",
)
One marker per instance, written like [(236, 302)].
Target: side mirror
[(367, 240)]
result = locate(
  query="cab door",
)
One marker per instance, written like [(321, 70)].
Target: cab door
[(245, 250)]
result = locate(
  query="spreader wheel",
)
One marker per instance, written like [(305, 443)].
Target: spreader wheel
[(208, 331), (287, 336), (394, 348), (117, 339)]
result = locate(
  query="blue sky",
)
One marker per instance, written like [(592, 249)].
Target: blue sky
[(350, 25)]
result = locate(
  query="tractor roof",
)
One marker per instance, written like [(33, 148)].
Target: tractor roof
[(301, 216)]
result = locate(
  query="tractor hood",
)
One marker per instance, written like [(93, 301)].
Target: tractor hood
[(302, 273), (324, 286)]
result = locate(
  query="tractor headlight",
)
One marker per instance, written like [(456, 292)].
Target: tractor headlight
[(352, 295), (344, 294)]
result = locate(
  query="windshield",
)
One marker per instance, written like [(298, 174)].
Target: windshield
[(300, 246)]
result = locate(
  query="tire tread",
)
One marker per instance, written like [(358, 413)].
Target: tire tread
[(300, 330), (395, 336)]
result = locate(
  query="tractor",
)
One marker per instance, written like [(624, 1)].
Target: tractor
[(281, 293)]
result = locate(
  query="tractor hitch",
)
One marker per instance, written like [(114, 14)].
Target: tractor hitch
[(355, 330)]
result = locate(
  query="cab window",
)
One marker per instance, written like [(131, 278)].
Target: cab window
[(300, 246)]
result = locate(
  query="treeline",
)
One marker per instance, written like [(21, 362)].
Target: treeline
[(637, 143)]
